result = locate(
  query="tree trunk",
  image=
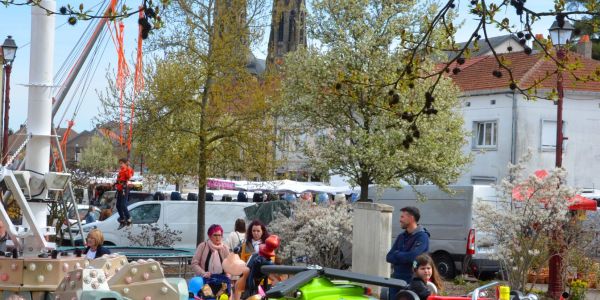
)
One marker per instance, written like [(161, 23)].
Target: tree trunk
[(201, 192), (202, 163), (364, 186), (202, 167)]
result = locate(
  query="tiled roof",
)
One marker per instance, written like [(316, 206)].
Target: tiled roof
[(476, 73)]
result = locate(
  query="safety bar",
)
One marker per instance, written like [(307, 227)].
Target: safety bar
[(475, 295)]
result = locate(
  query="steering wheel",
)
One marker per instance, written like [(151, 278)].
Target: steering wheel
[(406, 295)]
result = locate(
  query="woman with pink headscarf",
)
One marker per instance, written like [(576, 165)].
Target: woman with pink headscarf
[(210, 254)]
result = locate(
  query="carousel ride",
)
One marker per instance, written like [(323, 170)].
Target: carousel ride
[(35, 269)]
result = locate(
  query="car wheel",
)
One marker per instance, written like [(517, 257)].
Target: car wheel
[(444, 265)]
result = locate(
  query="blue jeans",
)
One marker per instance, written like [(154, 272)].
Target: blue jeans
[(122, 205)]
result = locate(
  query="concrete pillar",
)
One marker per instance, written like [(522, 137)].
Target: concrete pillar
[(371, 239)]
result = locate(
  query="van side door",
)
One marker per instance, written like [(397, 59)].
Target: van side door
[(182, 216), (143, 217)]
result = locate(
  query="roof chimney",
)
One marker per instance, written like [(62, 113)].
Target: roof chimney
[(584, 46)]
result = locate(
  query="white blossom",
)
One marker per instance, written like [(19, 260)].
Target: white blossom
[(522, 230), (318, 233)]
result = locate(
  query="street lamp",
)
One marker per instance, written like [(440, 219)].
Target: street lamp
[(560, 34), (9, 51)]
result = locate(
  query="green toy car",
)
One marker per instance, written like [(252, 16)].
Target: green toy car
[(316, 283)]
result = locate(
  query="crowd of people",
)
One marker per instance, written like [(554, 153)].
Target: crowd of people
[(232, 265), (222, 265)]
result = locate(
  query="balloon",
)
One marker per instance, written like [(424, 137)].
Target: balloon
[(195, 285), (290, 197), (323, 198), (233, 265)]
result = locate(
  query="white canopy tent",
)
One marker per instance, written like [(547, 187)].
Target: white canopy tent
[(290, 186)]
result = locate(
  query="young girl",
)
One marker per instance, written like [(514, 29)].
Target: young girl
[(424, 272)]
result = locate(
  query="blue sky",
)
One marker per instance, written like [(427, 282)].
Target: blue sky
[(15, 21)]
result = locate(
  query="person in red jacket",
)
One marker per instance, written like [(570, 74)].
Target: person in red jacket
[(125, 173)]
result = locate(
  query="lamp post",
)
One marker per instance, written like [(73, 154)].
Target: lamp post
[(9, 51), (560, 35)]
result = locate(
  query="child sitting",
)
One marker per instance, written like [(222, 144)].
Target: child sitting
[(425, 272)]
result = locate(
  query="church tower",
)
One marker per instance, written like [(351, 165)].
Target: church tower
[(230, 29), (288, 29)]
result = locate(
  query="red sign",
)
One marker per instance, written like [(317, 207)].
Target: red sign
[(215, 184)]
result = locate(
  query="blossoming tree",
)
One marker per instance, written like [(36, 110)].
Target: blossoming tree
[(523, 231), (315, 232)]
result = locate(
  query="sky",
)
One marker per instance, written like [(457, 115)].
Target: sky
[(15, 21)]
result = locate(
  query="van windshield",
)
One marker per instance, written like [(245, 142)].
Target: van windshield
[(108, 200)]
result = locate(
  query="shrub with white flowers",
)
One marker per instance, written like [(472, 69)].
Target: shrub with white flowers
[(316, 233), (523, 231), (152, 235)]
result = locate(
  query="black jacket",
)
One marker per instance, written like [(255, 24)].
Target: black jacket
[(418, 286), (99, 252)]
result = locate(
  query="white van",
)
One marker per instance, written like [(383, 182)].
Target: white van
[(178, 215), (449, 219)]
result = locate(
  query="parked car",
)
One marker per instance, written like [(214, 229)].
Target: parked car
[(449, 219), (178, 215), (593, 194), (82, 210)]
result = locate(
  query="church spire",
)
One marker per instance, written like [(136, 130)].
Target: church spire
[(231, 31), (288, 29)]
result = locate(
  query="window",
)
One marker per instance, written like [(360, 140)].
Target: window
[(548, 135), (135, 196), (145, 214), (486, 134)]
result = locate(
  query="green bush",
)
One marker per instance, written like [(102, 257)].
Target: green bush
[(577, 289)]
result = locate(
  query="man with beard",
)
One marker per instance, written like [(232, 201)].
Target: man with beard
[(408, 245)]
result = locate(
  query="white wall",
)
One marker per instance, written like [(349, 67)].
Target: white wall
[(581, 158), (503, 48), (490, 162)]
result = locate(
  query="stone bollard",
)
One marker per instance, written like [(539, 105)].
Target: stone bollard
[(371, 239)]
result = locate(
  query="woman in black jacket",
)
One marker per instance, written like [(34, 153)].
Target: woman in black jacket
[(94, 248)]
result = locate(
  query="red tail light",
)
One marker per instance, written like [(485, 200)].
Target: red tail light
[(471, 242), (368, 291)]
